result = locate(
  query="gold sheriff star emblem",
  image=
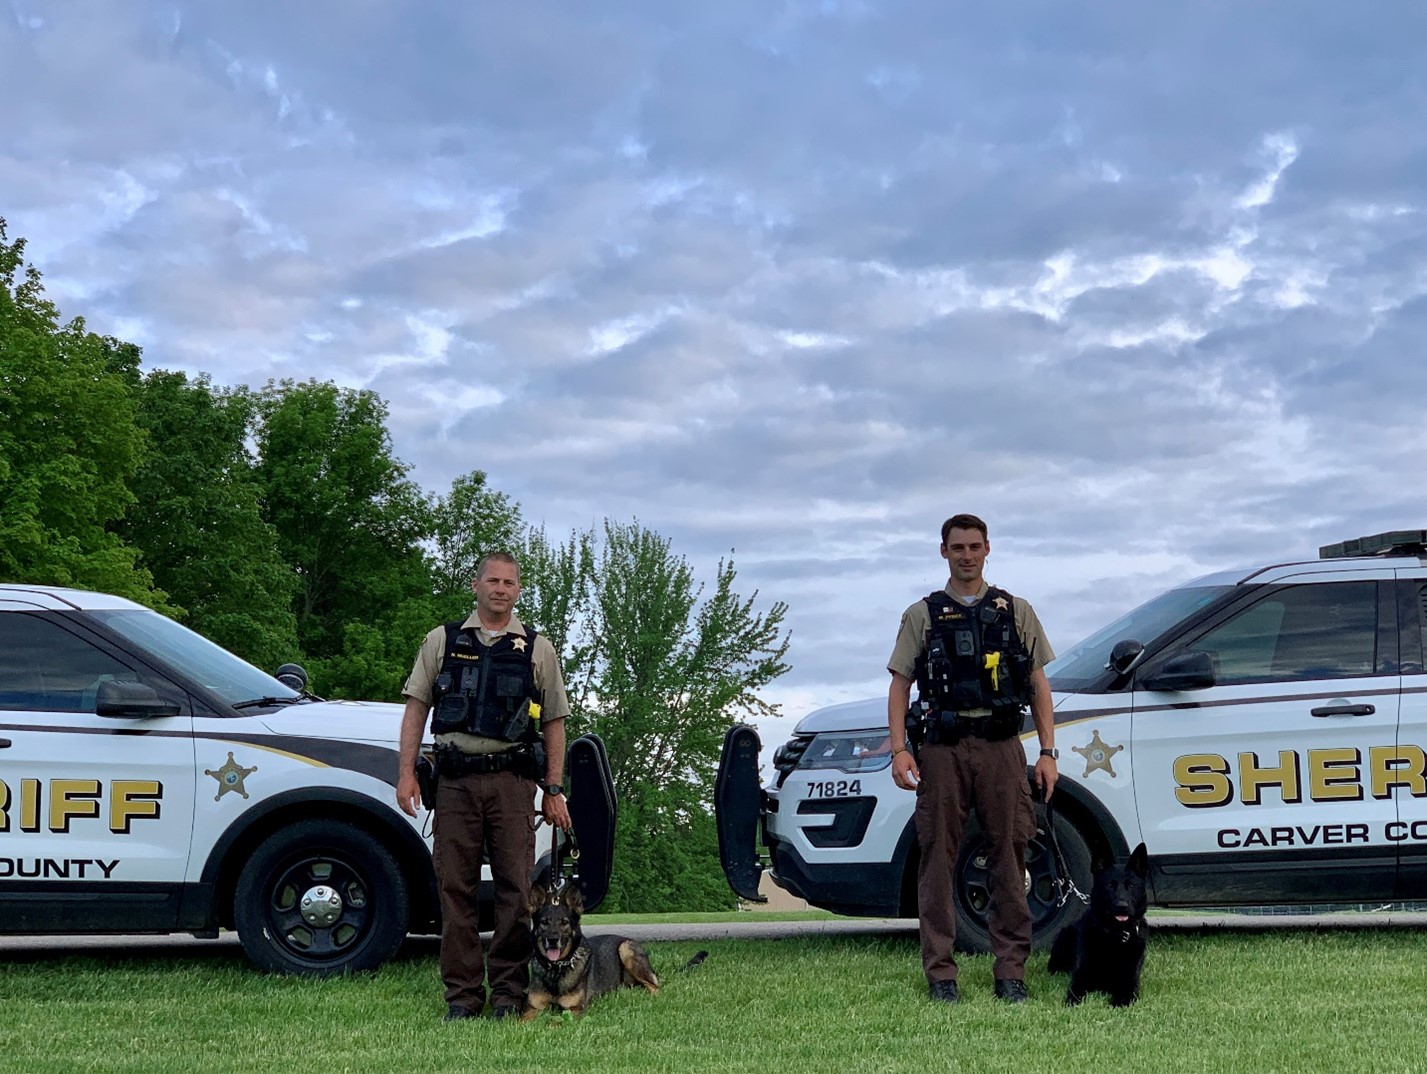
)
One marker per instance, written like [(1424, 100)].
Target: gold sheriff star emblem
[(230, 777), (1097, 755), (518, 645), (1001, 603)]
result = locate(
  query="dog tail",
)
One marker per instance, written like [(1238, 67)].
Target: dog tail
[(694, 961)]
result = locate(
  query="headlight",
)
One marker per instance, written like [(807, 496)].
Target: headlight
[(855, 751)]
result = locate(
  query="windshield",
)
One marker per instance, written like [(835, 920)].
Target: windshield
[(232, 679), (1085, 663)]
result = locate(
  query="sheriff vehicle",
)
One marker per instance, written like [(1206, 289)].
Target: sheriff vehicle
[(151, 781), (1263, 732)]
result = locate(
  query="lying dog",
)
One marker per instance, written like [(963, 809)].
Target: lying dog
[(1105, 950), (569, 969)]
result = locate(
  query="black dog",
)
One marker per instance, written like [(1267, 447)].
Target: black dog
[(1105, 950), (569, 969)]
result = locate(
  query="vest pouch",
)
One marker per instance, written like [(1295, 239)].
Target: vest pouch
[(966, 694), (449, 715), (943, 729), (503, 721)]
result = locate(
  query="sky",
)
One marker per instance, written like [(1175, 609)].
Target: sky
[(789, 281)]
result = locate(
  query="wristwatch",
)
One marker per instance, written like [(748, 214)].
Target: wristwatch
[(552, 788), (1053, 754)]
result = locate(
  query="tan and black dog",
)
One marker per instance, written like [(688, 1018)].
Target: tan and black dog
[(568, 969)]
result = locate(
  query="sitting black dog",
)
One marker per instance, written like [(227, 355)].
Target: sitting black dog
[(1105, 950)]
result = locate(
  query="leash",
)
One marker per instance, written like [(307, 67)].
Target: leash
[(559, 876), (1061, 879)]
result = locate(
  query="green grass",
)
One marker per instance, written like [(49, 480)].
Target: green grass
[(1292, 1001)]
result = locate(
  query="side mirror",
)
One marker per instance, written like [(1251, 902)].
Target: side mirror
[(293, 676), (1193, 670), (1124, 655), (131, 701)]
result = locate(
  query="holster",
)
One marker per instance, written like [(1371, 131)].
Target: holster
[(426, 778)]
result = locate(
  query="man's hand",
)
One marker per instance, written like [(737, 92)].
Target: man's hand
[(905, 773), (408, 793), (1046, 775), (556, 811)]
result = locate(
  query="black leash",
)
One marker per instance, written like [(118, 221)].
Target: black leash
[(1062, 880), (558, 847)]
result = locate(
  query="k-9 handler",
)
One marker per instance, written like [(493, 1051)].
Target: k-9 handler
[(498, 703), (977, 655)]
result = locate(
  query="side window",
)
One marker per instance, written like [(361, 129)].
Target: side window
[(45, 668), (1326, 631)]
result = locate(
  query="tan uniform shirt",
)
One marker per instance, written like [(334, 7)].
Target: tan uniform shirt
[(916, 625), (544, 663)]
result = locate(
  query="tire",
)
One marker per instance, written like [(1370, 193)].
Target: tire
[(1048, 914), (361, 917)]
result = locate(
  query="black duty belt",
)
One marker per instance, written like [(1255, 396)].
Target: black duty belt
[(452, 762), (948, 728)]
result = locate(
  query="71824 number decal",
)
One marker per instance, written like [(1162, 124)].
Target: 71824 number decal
[(835, 788)]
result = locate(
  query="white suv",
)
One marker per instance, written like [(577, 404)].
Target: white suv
[(151, 781), (1263, 731)]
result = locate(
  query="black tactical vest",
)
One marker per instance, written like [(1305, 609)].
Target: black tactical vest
[(484, 689), (974, 658)]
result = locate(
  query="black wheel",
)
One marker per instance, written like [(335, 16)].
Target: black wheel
[(321, 898), (1049, 914)]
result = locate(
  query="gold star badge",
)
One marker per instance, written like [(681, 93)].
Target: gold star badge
[(1001, 603), (230, 777), (518, 645), (1097, 755)]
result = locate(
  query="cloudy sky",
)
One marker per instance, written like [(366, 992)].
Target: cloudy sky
[(1143, 285)]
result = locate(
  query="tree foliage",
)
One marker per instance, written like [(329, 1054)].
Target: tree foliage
[(69, 443), (197, 519), (467, 524), (348, 520), (659, 669)]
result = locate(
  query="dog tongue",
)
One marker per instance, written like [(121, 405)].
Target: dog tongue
[(1122, 918), (553, 954)]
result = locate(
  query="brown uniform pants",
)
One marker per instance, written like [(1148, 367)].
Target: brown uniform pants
[(992, 777), (494, 809)]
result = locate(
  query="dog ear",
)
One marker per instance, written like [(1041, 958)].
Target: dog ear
[(574, 901), (537, 898), (1139, 862)]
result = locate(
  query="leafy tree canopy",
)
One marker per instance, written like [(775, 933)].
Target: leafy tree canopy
[(69, 443)]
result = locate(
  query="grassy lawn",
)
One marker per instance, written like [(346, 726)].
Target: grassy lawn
[(1297, 1001)]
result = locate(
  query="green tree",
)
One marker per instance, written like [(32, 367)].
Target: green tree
[(659, 669), (468, 523), (69, 443), (349, 522), (198, 522)]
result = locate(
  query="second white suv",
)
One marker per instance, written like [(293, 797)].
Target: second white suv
[(1263, 732)]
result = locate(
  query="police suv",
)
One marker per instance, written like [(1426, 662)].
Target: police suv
[(151, 781), (1262, 731)]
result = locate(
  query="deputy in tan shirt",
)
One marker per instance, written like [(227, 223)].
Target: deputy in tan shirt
[(484, 805), (984, 766)]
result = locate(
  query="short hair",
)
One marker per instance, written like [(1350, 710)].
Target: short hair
[(497, 557), (963, 522)]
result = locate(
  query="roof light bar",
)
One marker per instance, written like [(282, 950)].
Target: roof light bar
[(1396, 542)]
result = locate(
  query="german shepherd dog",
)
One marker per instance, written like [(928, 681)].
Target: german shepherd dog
[(568, 968), (1105, 950)]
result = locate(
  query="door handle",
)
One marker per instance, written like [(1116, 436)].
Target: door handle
[(1344, 710), (4, 743)]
